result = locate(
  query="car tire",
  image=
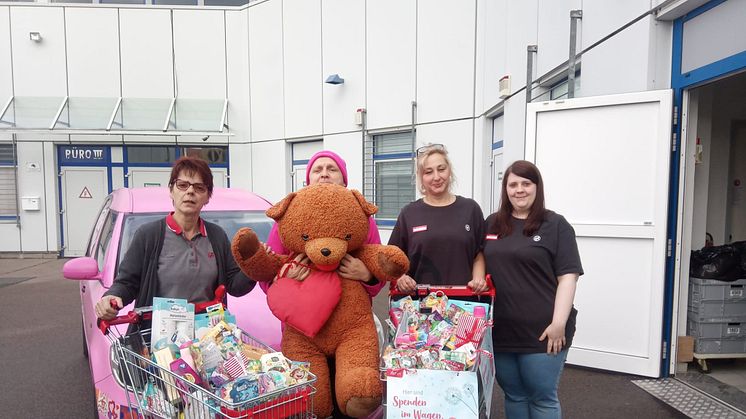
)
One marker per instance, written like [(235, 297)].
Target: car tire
[(82, 335)]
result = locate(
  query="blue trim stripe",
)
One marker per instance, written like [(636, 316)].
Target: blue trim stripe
[(497, 144), (301, 162), (385, 223), (732, 64), (8, 217)]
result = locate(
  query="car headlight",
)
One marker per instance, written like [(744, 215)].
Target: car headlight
[(116, 368)]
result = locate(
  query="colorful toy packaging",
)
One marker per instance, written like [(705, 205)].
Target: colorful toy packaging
[(435, 333), (219, 358)]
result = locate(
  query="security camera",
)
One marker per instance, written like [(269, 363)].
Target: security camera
[(205, 137)]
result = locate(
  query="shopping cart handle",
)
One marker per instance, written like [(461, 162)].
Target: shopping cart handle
[(145, 313), (129, 318), (449, 290)]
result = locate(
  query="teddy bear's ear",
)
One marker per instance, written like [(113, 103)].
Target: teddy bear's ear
[(278, 210), (368, 208)]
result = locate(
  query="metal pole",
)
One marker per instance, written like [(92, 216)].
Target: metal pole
[(575, 16), (530, 51)]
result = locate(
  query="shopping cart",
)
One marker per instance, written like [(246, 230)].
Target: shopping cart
[(156, 392), (483, 368)]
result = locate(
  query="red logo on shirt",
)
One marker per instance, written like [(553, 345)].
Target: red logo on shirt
[(419, 228), (210, 255), (492, 237)]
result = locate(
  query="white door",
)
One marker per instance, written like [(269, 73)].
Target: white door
[(605, 165), (149, 177), (497, 178), (83, 192)]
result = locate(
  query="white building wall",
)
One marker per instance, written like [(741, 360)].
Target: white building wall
[(445, 59), (270, 168), (391, 47), (93, 61), (29, 77), (302, 67), (350, 147), (31, 183), (146, 50), (265, 71), (237, 75), (6, 70), (458, 137), (343, 53), (199, 53), (272, 57), (553, 33)]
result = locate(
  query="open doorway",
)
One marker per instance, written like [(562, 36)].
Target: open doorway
[(713, 299)]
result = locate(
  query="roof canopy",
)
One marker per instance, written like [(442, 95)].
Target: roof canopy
[(114, 115)]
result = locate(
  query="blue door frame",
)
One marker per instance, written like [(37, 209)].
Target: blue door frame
[(679, 83), (106, 162)]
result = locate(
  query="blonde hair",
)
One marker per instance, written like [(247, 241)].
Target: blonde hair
[(422, 154)]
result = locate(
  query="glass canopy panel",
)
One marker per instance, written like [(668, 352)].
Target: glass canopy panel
[(31, 112), (141, 114), (197, 115), (86, 113)]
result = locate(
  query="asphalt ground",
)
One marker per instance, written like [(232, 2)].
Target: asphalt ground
[(43, 373)]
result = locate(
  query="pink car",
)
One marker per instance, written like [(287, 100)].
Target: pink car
[(122, 213)]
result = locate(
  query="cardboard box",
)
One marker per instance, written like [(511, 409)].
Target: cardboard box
[(685, 352)]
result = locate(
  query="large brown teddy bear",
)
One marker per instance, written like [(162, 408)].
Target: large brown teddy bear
[(325, 222)]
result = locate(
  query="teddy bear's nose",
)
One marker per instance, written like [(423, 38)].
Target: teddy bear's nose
[(326, 252)]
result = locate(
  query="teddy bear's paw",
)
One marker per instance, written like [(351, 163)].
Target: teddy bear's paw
[(361, 407), (248, 242), (393, 263)]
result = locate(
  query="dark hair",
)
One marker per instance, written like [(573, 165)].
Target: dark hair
[(192, 166), (501, 224)]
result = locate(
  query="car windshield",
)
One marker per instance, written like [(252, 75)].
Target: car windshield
[(230, 221)]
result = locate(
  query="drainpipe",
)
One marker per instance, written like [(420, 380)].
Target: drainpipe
[(14, 141), (575, 16)]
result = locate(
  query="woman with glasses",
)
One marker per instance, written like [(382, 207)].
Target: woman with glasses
[(441, 233), (179, 256), (532, 255)]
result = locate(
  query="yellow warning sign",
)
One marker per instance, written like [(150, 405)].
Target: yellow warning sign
[(85, 193)]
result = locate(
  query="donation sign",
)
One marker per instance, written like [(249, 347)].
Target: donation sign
[(432, 394)]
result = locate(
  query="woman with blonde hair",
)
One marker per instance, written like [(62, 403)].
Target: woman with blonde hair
[(441, 233)]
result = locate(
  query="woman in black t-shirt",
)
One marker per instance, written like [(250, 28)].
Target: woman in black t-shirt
[(533, 258), (441, 233)]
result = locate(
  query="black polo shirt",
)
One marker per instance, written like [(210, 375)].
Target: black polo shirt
[(524, 271)]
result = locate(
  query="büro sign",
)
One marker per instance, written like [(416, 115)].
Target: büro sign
[(83, 154)]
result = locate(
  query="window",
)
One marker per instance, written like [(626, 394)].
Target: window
[(105, 239), (389, 173), (8, 204), (151, 154)]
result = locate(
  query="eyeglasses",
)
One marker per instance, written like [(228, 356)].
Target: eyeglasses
[(428, 147), (183, 185)]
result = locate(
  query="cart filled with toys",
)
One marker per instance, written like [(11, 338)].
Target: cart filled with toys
[(187, 365), (438, 360)]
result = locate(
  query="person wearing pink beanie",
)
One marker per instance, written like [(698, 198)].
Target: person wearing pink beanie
[(328, 167)]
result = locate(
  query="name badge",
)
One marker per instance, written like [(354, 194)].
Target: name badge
[(419, 228), (491, 237)]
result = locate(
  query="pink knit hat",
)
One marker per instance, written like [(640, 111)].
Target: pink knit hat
[(332, 155)]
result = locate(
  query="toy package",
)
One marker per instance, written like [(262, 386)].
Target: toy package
[(173, 322), (435, 333)]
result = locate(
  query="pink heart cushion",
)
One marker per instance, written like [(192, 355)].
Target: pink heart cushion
[(305, 305)]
